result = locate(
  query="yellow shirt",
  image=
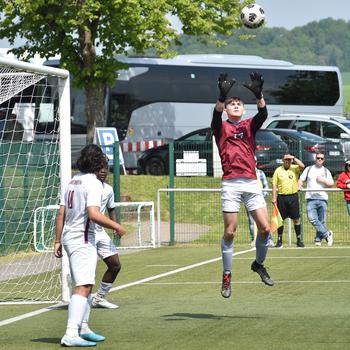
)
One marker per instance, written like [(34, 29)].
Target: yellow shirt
[(286, 180)]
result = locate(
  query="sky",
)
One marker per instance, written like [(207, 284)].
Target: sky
[(295, 13)]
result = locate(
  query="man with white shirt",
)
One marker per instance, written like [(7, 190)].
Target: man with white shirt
[(318, 177)]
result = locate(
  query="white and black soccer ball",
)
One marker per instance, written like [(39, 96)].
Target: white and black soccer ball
[(253, 16)]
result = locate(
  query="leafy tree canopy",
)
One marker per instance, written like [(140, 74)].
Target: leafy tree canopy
[(89, 34)]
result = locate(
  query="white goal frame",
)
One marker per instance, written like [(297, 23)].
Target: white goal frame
[(64, 140)]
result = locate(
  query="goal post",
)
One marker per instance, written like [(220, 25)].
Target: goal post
[(35, 166), (138, 221)]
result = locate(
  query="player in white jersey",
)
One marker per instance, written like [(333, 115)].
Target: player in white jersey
[(75, 229), (106, 249)]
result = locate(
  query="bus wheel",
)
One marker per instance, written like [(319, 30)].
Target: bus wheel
[(155, 166)]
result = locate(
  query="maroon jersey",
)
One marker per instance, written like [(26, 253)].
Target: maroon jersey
[(236, 144)]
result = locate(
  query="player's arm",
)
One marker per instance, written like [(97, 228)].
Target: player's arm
[(256, 87), (224, 85), (96, 216), (59, 229), (112, 214)]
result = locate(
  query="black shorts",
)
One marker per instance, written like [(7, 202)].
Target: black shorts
[(288, 205)]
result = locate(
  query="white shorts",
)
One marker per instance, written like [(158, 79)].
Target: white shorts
[(239, 190), (104, 245), (82, 263)]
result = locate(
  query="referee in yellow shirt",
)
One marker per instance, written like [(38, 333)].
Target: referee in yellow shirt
[(285, 193)]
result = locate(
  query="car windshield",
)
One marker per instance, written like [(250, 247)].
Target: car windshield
[(346, 124), (200, 135)]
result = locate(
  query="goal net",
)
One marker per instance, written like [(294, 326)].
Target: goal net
[(34, 163)]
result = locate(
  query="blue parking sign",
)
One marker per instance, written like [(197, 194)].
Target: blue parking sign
[(105, 137)]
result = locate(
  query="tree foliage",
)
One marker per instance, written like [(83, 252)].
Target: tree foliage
[(88, 34), (326, 42)]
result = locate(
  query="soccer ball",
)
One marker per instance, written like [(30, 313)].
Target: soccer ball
[(253, 16)]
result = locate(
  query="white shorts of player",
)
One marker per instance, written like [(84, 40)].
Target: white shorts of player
[(104, 245), (235, 191), (82, 262)]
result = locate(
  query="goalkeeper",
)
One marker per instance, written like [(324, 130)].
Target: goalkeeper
[(235, 139), (106, 249)]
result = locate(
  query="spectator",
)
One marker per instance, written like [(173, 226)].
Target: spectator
[(343, 182), (285, 194), (318, 177), (13, 130)]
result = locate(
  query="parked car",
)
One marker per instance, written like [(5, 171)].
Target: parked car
[(155, 161), (305, 145), (330, 127)]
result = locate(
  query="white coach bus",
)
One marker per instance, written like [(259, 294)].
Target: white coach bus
[(166, 98)]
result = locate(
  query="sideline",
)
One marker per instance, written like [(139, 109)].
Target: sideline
[(144, 280)]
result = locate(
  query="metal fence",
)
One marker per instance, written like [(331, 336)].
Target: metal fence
[(198, 218)]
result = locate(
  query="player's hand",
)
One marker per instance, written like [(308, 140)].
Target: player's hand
[(224, 84), (120, 232), (58, 250), (256, 84)]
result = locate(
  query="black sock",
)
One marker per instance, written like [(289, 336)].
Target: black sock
[(280, 233), (297, 229)]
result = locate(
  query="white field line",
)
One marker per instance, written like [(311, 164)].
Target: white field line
[(301, 257), (242, 282), (144, 280), (165, 274)]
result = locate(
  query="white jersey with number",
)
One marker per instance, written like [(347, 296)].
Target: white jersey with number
[(107, 203), (83, 191)]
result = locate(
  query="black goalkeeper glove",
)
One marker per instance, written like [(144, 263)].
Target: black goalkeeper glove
[(256, 84), (224, 85)]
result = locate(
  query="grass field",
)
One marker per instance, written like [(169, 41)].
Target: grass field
[(308, 308)]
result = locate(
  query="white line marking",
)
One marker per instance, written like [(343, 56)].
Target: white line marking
[(301, 257), (161, 265), (169, 273), (29, 314), (144, 280), (242, 282), (181, 269)]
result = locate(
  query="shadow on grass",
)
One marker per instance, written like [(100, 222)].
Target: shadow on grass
[(185, 316), (47, 340)]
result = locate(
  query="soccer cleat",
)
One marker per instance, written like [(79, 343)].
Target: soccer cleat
[(300, 244), (226, 285), (330, 238), (270, 243), (76, 341), (103, 303), (93, 337), (261, 271), (279, 244)]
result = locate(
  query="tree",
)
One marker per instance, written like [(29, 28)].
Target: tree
[(88, 34)]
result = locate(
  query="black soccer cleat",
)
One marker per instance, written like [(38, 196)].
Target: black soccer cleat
[(261, 271)]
